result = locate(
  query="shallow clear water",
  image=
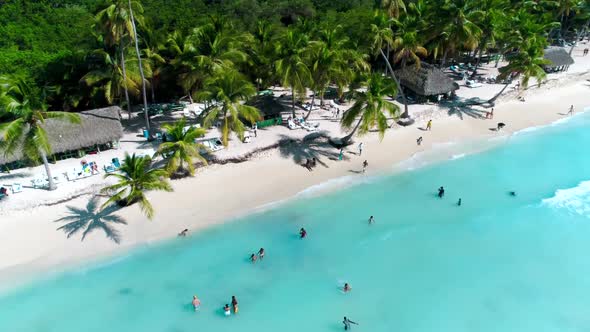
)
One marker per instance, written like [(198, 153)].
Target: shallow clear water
[(497, 263)]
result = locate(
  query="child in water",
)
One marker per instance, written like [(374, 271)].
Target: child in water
[(196, 303)]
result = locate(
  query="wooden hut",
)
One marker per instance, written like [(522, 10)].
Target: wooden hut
[(98, 129), (559, 58), (426, 81)]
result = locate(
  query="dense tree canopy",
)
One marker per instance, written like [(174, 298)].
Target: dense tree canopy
[(62, 46)]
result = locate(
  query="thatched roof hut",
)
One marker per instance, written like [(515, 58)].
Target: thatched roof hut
[(97, 127), (426, 81), (558, 56)]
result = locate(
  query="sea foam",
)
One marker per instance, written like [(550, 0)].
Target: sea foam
[(574, 200)]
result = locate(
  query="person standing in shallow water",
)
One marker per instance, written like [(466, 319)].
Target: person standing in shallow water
[(347, 323), (441, 192), (302, 233), (234, 304), (459, 202), (261, 253), (371, 220)]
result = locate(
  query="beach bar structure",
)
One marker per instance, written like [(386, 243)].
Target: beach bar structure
[(270, 109), (99, 129), (559, 58), (427, 82)]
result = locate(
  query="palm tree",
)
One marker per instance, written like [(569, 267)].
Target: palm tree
[(393, 7), (382, 36), (135, 178), (27, 112), (489, 15), (291, 66), (180, 147), (114, 23), (527, 63), (369, 107), (408, 47), (107, 77), (139, 9), (227, 90)]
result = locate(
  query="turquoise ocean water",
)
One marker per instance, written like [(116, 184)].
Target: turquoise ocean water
[(497, 263)]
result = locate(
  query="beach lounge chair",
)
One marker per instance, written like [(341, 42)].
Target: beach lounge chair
[(116, 163), (109, 169), (16, 188), (39, 182), (292, 125), (472, 84)]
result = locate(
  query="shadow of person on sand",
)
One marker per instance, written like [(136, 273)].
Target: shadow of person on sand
[(92, 218)]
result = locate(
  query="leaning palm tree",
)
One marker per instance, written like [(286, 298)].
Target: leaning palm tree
[(135, 178), (290, 66), (381, 37), (227, 90), (527, 63), (180, 148), (27, 112), (407, 46), (369, 107)]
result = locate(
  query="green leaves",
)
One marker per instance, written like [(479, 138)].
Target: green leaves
[(180, 148)]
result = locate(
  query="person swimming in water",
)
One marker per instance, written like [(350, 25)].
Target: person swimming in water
[(441, 192), (512, 193), (234, 304), (347, 323), (346, 288), (226, 310), (261, 253), (253, 258), (196, 303), (459, 202), (371, 220), (302, 233)]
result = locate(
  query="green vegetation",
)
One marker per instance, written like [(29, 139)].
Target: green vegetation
[(136, 177), (179, 148)]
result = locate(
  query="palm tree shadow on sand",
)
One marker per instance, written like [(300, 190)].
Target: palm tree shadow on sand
[(90, 219), (311, 146)]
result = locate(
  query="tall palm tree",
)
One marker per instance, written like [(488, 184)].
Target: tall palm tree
[(113, 22), (369, 107), (526, 64), (107, 77), (393, 7), (180, 147), (24, 131), (407, 46), (382, 36), (290, 66), (136, 176), (488, 18), (227, 90), (139, 10)]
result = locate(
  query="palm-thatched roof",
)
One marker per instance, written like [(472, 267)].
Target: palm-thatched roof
[(426, 81), (98, 126), (558, 57)]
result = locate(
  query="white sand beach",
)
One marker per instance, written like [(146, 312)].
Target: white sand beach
[(217, 193)]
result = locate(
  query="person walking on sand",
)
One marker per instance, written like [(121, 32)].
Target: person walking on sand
[(256, 130), (585, 52), (360, 148), (490, 114), (571, 111), (371, 220), (341, 154), (347, 323), (429, 125), (365, 164), (419, 141)]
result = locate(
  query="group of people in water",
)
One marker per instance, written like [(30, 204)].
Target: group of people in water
[(255, 257)]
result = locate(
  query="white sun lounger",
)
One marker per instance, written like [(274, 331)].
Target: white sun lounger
[(16, 188)]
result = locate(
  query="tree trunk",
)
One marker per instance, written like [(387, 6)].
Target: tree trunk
[(406, 114), (347, 138), (153, 92), (293, 102), (125, 80), (145, 104), (51, 184), (311, 107), (444, 58), (480, 49), (491, 101)]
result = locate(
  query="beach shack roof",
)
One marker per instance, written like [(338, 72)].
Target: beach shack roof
[(558, 56), (98, 126), (426, 81)]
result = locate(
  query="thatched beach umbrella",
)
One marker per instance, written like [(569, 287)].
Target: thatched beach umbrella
[(559, 57)]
